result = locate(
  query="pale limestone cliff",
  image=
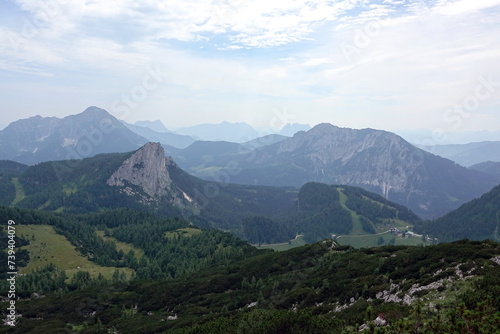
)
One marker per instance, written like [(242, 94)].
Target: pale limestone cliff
[(147, 169)]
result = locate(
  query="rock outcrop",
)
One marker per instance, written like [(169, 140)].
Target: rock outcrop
[(147, 169)]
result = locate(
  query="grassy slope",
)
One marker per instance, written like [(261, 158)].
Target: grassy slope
[(359, 238), (51, 247), (19, 191)]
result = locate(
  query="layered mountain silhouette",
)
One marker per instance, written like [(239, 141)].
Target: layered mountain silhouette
[(488, 167), (152, 132), (157, 125), (147, 180), (91, 132), (234, 132), (468, 154), (375, 160)]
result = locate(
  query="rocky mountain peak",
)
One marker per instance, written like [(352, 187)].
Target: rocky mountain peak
[(333, 143), (157, 125), (93, 131), (376, 160), (95, 110), (324, 127), (146, 168), (92, 116)]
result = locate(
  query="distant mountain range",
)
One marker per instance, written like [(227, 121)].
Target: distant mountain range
[(166, 138), (235, 132), (95, 131), (290, 129), (91, 132), (488, 167), (378, 161), (146, 180), (225, 131), (468, 154), (427, 137), (156, 126)]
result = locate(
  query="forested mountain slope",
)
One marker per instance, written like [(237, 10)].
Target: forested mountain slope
[(478, 219), (146, 180)]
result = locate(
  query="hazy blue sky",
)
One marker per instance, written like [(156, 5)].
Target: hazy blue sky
[(353, 63)]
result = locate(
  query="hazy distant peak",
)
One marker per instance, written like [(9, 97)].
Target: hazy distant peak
[(88, 133), (30, 123), (94, 111), (157, 125), (324, 129), (33, 118), (264, 141), (225, 131), (93, 108), (290, 129), (93, 116)]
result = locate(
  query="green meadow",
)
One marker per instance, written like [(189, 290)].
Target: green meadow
[(51, 247)]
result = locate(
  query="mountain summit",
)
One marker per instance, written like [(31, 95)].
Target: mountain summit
[(376, 160), (37, 139)]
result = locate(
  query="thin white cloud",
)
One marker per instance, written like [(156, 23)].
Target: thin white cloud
[(258, 23)]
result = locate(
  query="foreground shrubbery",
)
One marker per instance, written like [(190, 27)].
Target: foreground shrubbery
[(319, 288)]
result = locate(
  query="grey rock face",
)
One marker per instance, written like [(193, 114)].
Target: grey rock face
[(147, 169), (362, 157), (375, 160), (38, 139)]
